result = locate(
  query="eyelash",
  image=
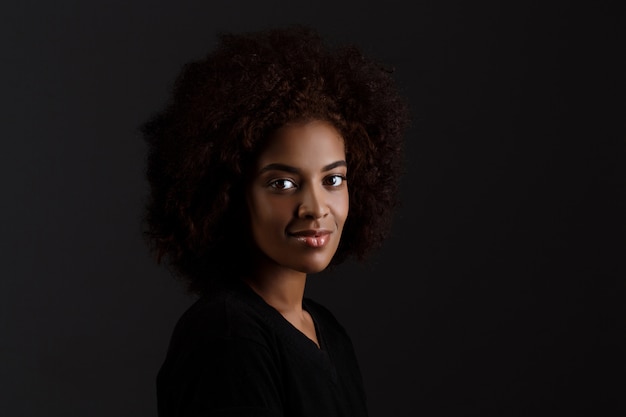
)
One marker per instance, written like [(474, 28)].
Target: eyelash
[(341, 177), (273, 184)]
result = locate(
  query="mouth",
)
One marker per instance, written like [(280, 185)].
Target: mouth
[(312, 238)]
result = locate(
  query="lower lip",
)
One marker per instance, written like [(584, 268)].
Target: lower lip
[(314, 241)]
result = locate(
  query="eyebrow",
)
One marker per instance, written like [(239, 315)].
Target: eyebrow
[(294, 170)]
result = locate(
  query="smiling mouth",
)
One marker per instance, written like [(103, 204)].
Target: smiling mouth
[(312, 238)]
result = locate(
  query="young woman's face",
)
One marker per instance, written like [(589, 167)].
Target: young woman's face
[(298, 197)]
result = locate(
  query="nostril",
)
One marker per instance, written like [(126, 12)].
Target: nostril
[(313, 212)]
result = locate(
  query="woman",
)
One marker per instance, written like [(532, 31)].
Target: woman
[(276, 157)]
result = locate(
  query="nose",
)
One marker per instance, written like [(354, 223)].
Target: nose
[(313, 204)]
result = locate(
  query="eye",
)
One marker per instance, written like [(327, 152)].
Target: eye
[(335, 180), (282, 184)]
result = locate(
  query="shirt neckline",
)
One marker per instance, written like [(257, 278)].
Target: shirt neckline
[(277, 320)]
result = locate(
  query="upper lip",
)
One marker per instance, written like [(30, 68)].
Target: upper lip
[(310, 232)]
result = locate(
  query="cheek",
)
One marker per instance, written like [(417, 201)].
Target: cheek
[(269, 212), (342, 205)]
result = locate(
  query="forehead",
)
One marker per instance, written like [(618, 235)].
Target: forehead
[(309, 143)]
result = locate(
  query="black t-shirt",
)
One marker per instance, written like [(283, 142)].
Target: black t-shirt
[(232, 354)]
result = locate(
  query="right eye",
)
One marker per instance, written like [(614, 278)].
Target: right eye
[(282, 184)]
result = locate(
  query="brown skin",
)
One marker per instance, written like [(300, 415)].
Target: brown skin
[(298, 203)]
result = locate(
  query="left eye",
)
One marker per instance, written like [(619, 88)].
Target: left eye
[(282, 184), (335, 180)]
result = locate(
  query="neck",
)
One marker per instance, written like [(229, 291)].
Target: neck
[(283, 290)]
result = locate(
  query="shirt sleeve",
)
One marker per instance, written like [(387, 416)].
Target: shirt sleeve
[(224, 377)]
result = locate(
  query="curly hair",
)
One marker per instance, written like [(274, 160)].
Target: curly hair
[(223, 107)]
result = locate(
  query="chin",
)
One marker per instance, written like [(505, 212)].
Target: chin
[(313, 269), (313, 266)]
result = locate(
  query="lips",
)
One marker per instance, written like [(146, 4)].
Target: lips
[(312, 238)]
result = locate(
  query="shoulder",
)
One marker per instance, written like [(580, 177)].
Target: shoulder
[(226, 314), (222, 335), (220, 357)]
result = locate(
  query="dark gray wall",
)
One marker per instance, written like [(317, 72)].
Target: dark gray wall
[(501, 291)]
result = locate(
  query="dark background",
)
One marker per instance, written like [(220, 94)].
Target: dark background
[(501, 290)]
